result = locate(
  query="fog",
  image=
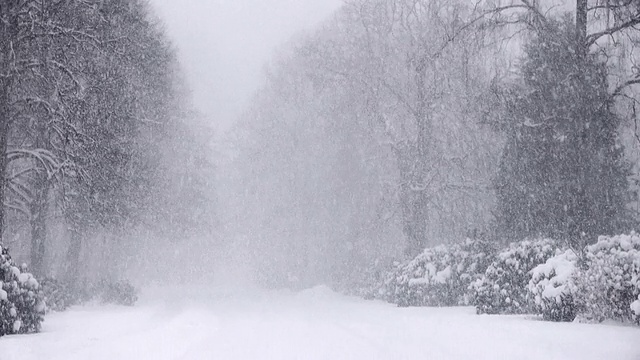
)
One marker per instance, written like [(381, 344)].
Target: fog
[(223, 49), (225, 44)]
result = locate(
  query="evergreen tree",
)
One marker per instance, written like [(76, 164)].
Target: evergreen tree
[(562, 172)]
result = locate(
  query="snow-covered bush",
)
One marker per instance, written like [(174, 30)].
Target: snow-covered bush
[(552, 287), (368, 281), (57, 294), (504, 287), (439, 276), (116, 292), (635, 308), (427, 280), (22, 304), (60, 295), (609, 284)]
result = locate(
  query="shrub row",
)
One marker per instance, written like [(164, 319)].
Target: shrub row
[(602, 282), (60, 295), (534, 277)]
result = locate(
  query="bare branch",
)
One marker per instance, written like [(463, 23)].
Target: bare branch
[(592, 38), (618, 91), (19, 207)]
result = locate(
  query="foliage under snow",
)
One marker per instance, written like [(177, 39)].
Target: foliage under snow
[(610, 284), (439, 276), (116, 292), (635, 307), (60, 295), (534, 277), (22, 304), (503, 288), (552, 287)]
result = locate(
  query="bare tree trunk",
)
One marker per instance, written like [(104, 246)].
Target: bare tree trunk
[(8, 28), (73, 256), (39, 206), (582, 49), (4, 137), (38, 222), (416, 210), (581, 28), (4, 111)]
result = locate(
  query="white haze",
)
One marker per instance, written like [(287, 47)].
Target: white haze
[(223, 48), (224, 44)]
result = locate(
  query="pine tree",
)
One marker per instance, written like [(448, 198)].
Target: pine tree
[(562, 173)]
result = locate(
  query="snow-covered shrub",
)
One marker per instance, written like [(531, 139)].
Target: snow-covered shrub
[(427, 280), (116, 292), (439, 276), (552, 287), (57, 294), (22, 304), (635, 308), (368, 282), (504, 287), (609, 284)]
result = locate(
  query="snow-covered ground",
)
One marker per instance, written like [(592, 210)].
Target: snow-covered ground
[(313, 324)]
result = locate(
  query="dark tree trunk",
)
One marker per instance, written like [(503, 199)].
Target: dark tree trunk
[(8, 28), (73, 255), (574, 233), (4, 137), (416, 169), (39, 207), (581, 29), (38, 222)]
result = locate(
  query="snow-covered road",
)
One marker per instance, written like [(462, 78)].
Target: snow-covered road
[(313, 324)]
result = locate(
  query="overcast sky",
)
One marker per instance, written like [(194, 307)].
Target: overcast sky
[(224, 44)]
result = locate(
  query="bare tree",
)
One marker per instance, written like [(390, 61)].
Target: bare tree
[(424, 60)]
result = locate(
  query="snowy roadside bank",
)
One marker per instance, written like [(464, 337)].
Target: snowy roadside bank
[(312, 324)]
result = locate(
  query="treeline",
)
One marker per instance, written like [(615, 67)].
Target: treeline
[(398, 125), (97, 134)]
